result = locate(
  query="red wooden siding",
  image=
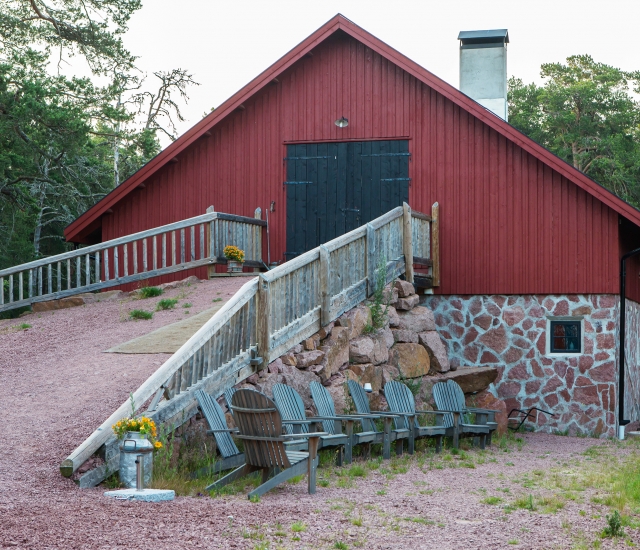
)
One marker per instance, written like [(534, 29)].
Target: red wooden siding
[(510, 224)]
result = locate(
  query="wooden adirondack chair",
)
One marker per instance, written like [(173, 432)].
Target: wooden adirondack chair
[(457, 422), (231, 456), (402, 403), (260, 427), (483, 416), (295, 420), (362, 407), (334, 422)]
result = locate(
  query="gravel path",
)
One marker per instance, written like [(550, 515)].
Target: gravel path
[(57, 386)]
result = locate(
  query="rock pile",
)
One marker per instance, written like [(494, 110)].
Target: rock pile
[(407, 347)]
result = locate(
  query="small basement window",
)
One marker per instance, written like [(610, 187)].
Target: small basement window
[(565, 336)]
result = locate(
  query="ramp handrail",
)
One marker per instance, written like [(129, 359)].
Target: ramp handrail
[(166, 249), (267, 317)]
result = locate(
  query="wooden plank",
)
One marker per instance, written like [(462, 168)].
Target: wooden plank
[(348, 298), (421, 216), (11, 287), (325, 276), (240, 219), (292, 265), (49, 279), (2, 288), (347, 238), (106, 268), (292, 329), (192, 234), (39, 281), (173, 248), (164, 250), (435, 243), (264, 320), (387, 218), (154, 242), (153, 383), (30, 284), (310, 326), (371, 259), (422, 261), (407, 241), (125, 259), (145, 255), (59, 276), (20, 287)]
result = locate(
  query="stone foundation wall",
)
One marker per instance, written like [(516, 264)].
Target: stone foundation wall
[(510, 333), (632, 363)]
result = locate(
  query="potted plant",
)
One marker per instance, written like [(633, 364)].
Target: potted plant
[(138, 437), (235, 258)]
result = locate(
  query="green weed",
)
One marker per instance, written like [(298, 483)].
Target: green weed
[(140, 314), (491, 500), (340, 546), (217, 300), (298, 527), (614, 526), (23, 326), (150, 292), (166, 303)]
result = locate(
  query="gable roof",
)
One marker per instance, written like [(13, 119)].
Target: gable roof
[(91, 217)]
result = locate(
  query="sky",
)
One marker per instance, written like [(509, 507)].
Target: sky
[(225, 44)]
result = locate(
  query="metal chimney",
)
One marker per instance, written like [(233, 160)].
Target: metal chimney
[(483, 68)]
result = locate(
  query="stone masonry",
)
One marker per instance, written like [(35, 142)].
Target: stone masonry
[(510, 332), (632, 363)]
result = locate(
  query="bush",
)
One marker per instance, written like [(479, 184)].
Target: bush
[(138, 314), (150, 291), (167, 303), (614, 527)]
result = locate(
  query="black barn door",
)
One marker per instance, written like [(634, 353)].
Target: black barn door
[(333, 188)]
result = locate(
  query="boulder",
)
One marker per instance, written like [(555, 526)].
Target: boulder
[(436, 349), (308, 358), (355, 320), (368, 350), (176, 284), (275, 366), (338, 390), (309, 344), (389, 373), (472, 379), (485, 400), (289, 359), (377, 402), (419, 319), (265, 385), (392, 317), (408, 303), (253, 379), (299, 380), (412, 360), (385, 336), (63, 303), (404, 288), (390, 295), (336, 353), (108, 296), (324, 332), (363, 374), (405, 336)]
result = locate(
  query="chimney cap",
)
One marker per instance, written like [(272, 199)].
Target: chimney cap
[(494, 36)]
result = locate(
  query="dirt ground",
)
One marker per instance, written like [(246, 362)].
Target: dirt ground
[(57, 385)]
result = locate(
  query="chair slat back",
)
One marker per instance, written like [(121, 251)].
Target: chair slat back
[(216, 420), (228, 395), (362, 404), (458, 396), (257, 416), (324, 405), (444, 399), (400, 399), (291, 407)]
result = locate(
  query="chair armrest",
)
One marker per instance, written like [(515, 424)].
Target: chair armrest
[(404, 414), (473, 409), (390, 415), (312, 434), (359, 416), (297, 421), (231, 431), (446, 411), (316, 418)]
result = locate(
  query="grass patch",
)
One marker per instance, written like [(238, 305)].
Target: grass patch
[(150, 292), (140, 315), (217, 300), (340, 546), (187, 305), (166, 303), (23, 326), (423, 521), (491, 500), (357, 470), (298, 527)]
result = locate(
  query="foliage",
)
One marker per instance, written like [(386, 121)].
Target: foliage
[(150, 291), (614, 525), (380, 303), (66, 140), (233, 253), (587, 114), (167, 303), (140, 314)]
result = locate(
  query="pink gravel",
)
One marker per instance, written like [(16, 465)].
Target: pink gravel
[(57, 386)]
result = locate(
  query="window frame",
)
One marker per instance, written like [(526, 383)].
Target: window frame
[(564, 319)]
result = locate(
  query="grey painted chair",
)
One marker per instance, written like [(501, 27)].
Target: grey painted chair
[(336, 423), (295, 420), (361, 402), (260, 427), (231, 457), (458, 422), (402, 403), (483, 416)]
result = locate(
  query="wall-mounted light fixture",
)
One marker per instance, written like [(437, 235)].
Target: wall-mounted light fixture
[(342, 122)]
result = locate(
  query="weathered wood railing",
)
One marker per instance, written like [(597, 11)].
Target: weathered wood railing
[(265, 318), (167, 249)]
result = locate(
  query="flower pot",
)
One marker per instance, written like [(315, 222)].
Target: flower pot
[(234, 267), (133, 445)]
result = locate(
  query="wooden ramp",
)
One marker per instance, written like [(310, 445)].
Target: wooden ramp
[(268, 316)]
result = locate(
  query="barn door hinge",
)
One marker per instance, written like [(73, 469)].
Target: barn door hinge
[(297, 183), (345, 210), (310, 158), (386, 155), (395, 179)]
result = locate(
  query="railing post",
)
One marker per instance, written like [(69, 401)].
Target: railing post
[(435, 242), (325, 284), (407, 241), (264, 320), (371, 259), (256, 233), (211, 269)]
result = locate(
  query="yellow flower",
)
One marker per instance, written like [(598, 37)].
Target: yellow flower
[(157, 445)]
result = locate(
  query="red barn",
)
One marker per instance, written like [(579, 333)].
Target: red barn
[(530, 247)]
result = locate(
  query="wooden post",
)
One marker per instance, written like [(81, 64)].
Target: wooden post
[(264, 320), (211, 269), (407, 241), (435, 242), (325, 283), (371, 259), (258, 216)]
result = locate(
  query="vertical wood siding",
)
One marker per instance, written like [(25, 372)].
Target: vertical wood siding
[(509, 224)]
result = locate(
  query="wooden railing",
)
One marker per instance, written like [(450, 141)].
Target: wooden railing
[(167, 249), (265, 318)]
